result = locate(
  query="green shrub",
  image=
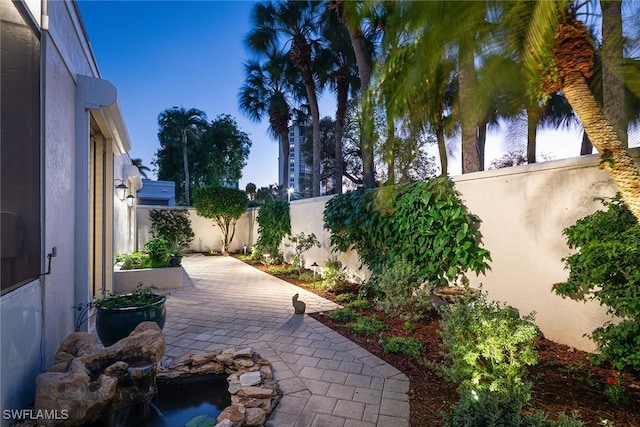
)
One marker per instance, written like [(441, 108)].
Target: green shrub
[(158, 250), (424, 223), (500, 410), (408, 346), (343, 315), (346, 297), (301, 244), (273, 224), (134, 261), (367, 326), (171, 224), (333, 274), (605, 268), (405, 294), (358, 304), (284, 271), (306, 277), (487, 346)]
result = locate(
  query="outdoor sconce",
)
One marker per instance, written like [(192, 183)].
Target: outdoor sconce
[(121, 189), (131, 200), (314, 266)]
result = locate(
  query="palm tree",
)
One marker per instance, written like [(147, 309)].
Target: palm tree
[(142, 168), (563, 45), (268, 92), (353, 14), (341, 75), (295, 24), (180, 122)]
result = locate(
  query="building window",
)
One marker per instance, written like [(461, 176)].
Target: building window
[(20, 147)]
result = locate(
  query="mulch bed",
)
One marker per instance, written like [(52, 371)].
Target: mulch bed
[(564, 379)]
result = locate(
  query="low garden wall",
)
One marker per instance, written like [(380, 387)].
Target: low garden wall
[(125, 281)]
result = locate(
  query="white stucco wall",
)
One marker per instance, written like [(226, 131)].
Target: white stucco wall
[(207, 235), (524, 210)]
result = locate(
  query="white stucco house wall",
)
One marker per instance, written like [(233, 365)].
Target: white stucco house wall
[(64, 148)]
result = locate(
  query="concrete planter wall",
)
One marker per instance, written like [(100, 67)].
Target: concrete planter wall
[(125, 281)]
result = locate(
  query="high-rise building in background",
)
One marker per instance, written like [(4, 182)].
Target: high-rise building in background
[(299, 172)]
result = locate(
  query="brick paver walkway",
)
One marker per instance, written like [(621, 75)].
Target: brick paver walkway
[(327, 380)]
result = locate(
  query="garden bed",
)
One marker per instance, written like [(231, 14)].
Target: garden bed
[(563, 380)]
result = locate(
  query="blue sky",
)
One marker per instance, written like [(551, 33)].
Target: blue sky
[(161, 54)]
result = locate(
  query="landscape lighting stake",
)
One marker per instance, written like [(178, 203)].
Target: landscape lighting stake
[(315, 266)]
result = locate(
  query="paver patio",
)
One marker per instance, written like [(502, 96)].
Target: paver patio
[(327, 380)]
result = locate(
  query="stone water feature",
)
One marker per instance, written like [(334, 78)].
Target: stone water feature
[(254, 391), (90, 382)]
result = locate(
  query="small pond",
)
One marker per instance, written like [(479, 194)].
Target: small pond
[(178, 402)]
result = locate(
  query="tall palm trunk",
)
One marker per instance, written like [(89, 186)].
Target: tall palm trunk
[(481, 142), (533, 117), (615, 157), (442, 150), (470, 158), (286, 149), (573, 57), (585, 147), (341, 112), (391, 148), (185, 164), (365, 68), (612, 72)]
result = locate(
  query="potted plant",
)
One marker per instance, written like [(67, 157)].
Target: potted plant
[(118, 315), (177, 249)]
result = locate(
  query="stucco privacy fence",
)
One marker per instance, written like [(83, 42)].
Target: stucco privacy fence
[(524, 210)]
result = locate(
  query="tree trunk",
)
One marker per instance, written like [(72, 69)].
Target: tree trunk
[(391, 149), (286, 149), (586, 147), (470, 159), (442, 150), (481, 141), (612, 72), (341, 112), (532, 132), (364, 70), (185, 164), (615, 157)]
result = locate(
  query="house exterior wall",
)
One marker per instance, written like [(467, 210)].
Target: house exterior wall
[(38, 316)]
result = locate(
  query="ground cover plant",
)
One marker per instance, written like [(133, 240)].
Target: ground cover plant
[(564, 379)]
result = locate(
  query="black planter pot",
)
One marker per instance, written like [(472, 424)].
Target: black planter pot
[(113, 324), (175, 261)]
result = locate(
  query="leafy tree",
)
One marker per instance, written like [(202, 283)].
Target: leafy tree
[(301, 243), (215, 158), (224, 206), (171, 224), (251, 188), (177, 126)]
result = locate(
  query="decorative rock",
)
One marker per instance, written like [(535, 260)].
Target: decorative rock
[(98, 380), (225, 423), (250, 378), (233, 413), (202, 358), (244, 352), (266, 372), (208, 368), (255, 417), (243, 362), (255, 392)]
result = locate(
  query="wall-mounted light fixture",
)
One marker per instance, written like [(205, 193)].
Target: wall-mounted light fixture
[(122, 192), (121, 189), (131, 200)]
